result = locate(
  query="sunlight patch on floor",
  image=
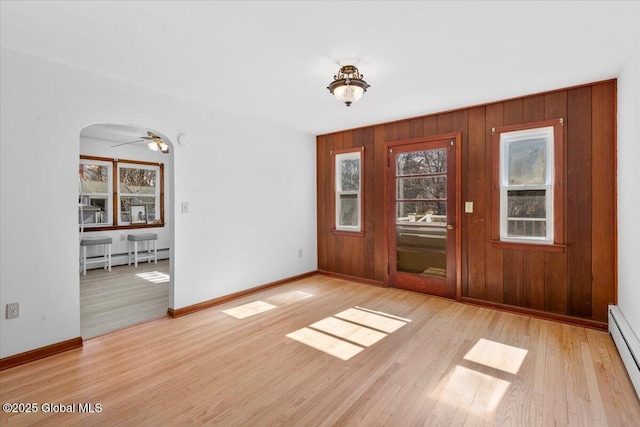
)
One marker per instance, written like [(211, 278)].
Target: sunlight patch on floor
[(250, 309), (372, 319), (257, 307), (474, 391), (497, 355), (349, 332), (154, 276), (288, 297), (334, 346)]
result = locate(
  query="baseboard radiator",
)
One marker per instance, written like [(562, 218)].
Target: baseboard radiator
[(627, 343)]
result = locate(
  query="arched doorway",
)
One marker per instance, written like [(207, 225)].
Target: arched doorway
[(125, 170)]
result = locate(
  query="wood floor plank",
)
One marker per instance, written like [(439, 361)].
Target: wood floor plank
[(125, 296), (451, 364)]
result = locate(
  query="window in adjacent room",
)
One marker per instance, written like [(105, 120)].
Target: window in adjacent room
[(528, 183), (95, 193), (110, 187), (347, 176), (138, 186)]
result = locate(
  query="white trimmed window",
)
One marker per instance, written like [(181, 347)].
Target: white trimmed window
[(348, 190), (528, 183)]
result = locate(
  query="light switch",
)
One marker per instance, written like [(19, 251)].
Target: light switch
[(468, 207), (185, 207)]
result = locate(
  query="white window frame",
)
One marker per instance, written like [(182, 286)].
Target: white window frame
[(156, 196), (507, 138), (108, 195), (338, 158)]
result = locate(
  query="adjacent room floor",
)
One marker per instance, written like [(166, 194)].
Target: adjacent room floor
[(125, 296)]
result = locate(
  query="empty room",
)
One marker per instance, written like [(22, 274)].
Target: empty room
[(319, 213)]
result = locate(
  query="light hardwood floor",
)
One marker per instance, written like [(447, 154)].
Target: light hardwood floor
[(445, 364), (125, 296)]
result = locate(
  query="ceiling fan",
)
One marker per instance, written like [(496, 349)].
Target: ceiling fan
[(155, 142)]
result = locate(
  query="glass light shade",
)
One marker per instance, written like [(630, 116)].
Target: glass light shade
[(348, 93), (163, 146), (153, 146)]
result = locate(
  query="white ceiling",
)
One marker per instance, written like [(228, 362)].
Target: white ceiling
[(273, 60)]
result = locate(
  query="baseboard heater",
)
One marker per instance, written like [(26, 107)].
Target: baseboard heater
[(627, 343)]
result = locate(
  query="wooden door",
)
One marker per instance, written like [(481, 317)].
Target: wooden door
[(422, 216)]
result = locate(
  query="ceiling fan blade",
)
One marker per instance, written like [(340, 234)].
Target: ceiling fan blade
[(125, 143)]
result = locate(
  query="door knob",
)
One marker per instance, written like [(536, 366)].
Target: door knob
[(449, 226)]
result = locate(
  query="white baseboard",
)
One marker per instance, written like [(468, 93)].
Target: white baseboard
[(627, 343)]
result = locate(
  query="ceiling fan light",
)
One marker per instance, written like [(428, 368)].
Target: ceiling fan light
[(153, 145), (163, 147)]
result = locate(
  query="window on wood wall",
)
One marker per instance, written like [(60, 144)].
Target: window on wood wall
[(527, 186), (347, 167), (109, 188)]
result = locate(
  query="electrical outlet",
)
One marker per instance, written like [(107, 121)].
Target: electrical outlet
[(13, 310)]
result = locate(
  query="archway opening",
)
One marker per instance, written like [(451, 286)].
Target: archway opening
[(125, 184)]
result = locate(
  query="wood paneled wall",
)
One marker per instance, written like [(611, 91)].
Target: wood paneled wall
[(579, 282)]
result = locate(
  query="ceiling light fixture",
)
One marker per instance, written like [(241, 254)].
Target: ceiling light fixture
[(156, 143), (347, 86)]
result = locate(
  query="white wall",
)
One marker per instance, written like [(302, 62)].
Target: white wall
[(629, 193), (250, 188), (101, 148)]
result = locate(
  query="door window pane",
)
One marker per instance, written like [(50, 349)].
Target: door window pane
[(423, 263), (432, 238), (428, 187), (421, 212), (422, 162)]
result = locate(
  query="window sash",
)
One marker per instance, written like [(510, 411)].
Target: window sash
[(85, 197), (138, 198), (506, 218)]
